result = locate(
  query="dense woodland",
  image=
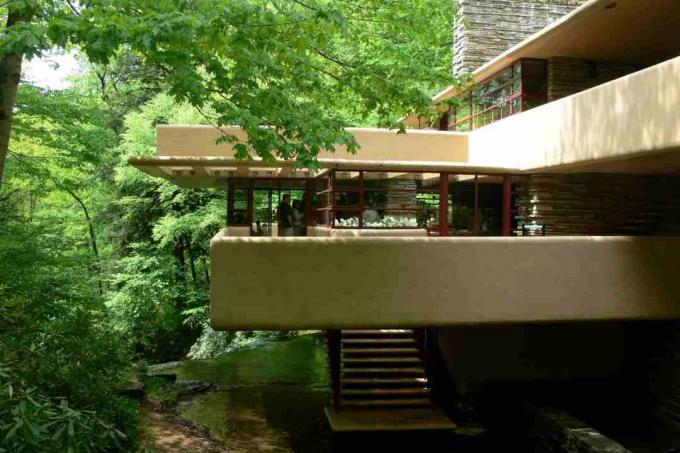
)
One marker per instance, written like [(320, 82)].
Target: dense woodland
[(103, 268)]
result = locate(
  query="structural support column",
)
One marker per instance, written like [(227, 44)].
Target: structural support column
[(507, 205), (443, 204)]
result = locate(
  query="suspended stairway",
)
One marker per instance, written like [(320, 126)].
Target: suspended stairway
[(381, 382)]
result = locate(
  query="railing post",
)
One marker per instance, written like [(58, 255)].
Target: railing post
[(443, 204)]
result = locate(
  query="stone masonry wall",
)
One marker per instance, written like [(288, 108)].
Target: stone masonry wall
[(567, 76), (554, 431), (487, 28), (599, 204)]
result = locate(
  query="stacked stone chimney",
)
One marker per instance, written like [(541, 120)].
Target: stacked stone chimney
[(487, 28)]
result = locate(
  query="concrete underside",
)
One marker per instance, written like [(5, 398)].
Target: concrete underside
[(388, 420)]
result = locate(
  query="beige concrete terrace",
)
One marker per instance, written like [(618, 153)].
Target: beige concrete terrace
[(370, 282), (629, 125), (375, 144), (190, 157)]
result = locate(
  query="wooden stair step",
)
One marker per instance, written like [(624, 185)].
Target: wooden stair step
[(383, 370), (383, 391), (406, 360), (378, 341), (384, 403), (364, 351), (384, 381), (378, 332)]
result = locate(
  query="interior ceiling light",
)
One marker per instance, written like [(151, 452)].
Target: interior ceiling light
[(611, 5)]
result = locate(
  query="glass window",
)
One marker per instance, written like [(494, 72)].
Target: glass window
[(501, 95)]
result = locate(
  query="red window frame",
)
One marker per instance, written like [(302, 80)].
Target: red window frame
[(476, 115)]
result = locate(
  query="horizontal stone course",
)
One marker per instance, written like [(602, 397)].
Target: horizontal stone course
[(487, 28), (600, 204), (567, 76)]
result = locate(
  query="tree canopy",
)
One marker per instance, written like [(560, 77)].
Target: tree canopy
[(292, 73), (103, 268)]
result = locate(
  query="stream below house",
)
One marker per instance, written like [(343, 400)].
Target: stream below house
[(271, 398)]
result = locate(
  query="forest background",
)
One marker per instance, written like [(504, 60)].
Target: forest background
[(103, 268)]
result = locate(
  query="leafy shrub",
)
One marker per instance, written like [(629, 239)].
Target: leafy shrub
[(212, 343), (386, 222), (31, 421)]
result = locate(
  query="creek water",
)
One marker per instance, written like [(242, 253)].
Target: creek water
[(271, 398)]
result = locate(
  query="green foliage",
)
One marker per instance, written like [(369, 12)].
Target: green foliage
[(101, 264), (52, 334), (161, 392), (307, 69), (31, 421), (159, 284), (212, 343), (66, 361)]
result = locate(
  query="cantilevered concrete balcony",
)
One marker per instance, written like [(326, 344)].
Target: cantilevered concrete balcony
[(629, 125), (367, 282), (190, 156)]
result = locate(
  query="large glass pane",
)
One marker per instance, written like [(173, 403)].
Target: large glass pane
[(428, 210), (240, 198), (264, 211), (462, 194), (490, 204)]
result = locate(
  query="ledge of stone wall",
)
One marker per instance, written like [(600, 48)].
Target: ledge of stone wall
[(554, 431)]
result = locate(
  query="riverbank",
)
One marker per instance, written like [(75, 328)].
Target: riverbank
[(265, 398), (163, 431), (270, 398)]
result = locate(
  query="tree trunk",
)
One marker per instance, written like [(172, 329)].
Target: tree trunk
[(205, 271), (90, 227), (191, 262), (181, 261), (10, 76)]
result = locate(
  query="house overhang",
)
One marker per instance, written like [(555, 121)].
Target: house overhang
[(207, 171), (628, 125)]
